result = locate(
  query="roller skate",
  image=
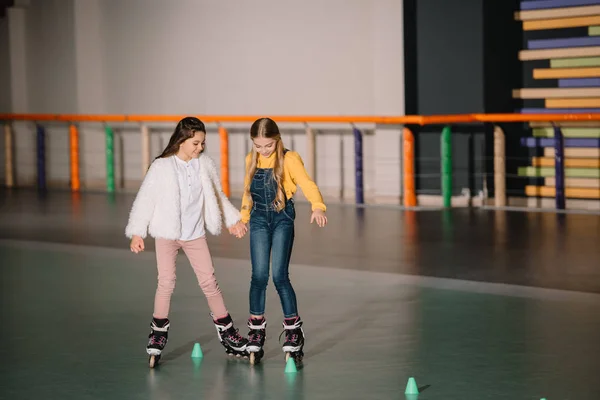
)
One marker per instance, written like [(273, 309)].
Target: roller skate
[(157, 340), (230, 338), (294, 339), (256, 339)]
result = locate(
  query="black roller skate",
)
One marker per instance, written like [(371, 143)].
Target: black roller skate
[(230, 338), (157, 340), (294, 339), (256, 339)]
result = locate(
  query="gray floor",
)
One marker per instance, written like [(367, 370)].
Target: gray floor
[(472, 304)]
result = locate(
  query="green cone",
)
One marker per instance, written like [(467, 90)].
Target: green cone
[(290, 365), (411, 386), (197, 351)]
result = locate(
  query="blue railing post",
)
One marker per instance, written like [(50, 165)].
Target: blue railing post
[(559, 167), (41, 157), (358, 166)]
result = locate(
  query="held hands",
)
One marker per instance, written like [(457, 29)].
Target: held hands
[(137, 244), (319, 216), (238, 230)]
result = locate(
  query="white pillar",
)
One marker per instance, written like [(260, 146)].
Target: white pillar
[(388, 97), (89, 63), (17, 38)]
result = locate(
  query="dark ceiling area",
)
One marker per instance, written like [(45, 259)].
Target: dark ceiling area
[(4, 4)]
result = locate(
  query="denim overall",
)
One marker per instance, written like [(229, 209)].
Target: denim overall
[(270, 231)]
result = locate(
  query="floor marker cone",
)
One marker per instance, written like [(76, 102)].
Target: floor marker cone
[(197, 351), (411, 386), (290, 365)]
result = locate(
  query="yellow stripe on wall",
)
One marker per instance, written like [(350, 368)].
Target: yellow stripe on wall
[(557, 73), (579, 124), (575, 62), (561, 23), (569, 162), (557, 13), (573, 103), (569, 132), (573, 193)]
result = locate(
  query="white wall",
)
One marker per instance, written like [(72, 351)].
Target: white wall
[(51, 62), (4, 67), (5, 89), (266, 57)]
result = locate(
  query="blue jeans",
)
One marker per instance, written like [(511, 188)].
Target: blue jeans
[(272, 234)]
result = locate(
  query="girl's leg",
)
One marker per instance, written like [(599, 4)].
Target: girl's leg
[(260, 252), (283, 241), (166, 256), (199, 255)]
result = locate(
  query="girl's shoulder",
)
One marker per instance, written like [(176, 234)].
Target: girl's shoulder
[(291, 156), (207, 161), (159, 163)]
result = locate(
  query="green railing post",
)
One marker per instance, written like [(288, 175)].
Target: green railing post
[(110, 159), (446, 152)]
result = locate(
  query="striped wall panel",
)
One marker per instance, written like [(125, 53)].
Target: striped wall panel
[(579, 82), (561, 63)]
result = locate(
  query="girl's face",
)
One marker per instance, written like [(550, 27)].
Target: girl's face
[(192, 147), (264, 146)]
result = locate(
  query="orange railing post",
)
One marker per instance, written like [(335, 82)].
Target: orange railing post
[(74, 150), (408, 147), (224, 138)]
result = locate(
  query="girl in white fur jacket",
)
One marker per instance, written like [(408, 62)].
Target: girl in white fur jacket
[(180, 198)]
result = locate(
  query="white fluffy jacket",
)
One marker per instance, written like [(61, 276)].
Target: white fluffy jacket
[(157, 207)]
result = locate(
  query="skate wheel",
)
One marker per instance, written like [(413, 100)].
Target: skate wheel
[(252, 358), (152, 361)]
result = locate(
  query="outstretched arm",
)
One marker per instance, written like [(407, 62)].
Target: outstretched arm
[(309, 187)]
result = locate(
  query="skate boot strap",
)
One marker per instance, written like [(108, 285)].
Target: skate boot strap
[(295, 325), (223, 328), (251, 324), (157, 328)]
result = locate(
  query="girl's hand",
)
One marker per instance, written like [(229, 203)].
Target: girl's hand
[(137, 244), (238, 230), (319, 216)]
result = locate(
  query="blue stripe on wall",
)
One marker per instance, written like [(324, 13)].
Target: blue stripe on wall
[(542, 4), (579, 82), (569, 142), (558, 43)]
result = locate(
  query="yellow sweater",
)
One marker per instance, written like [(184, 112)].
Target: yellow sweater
[(294, 174)]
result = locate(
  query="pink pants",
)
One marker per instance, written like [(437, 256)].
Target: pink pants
[(199, 256)]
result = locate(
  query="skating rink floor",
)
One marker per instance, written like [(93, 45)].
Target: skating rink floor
[(474, 304)]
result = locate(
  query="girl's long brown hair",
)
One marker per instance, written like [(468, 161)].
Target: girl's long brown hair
[(267, 128), (185, 129)]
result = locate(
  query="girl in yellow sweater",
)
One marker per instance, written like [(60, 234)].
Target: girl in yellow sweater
[(272, 176)]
